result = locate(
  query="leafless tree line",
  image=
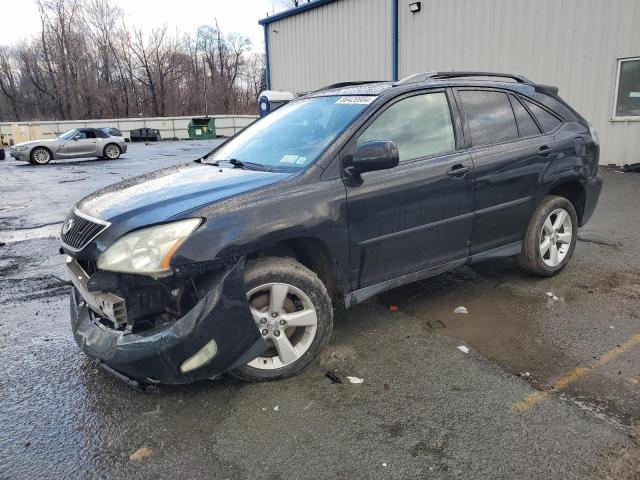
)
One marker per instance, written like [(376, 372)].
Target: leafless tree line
[(86, 63)]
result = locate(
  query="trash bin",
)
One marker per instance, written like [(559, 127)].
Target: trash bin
[(202, 128)]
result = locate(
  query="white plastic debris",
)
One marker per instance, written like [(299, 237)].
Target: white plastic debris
[(384, 464), (355, 379), (463, 349), (612, 327), (551, 296), (461, 310), (276, 408)]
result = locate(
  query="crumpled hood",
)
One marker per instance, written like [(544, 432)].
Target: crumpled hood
[(160, 195)]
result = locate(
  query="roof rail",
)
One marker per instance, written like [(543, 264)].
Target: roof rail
[(347, 84), (423, 77)]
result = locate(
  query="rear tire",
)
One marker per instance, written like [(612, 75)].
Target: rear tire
[(40, 156), (551, 237), (112, 151), (293, 310)]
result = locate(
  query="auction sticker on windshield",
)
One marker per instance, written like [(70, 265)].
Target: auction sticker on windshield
[(356, 100), (293, 159)]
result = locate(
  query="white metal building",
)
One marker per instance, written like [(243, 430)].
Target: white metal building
[(590, 49)]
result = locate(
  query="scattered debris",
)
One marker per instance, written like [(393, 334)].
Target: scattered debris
[(153, 412), (264, 409), (333, 376), (2, 244), (525, 375), (140, 454), (393, 308), (552, 296), (27, 444), (355, 379), (461, 310), (612, 327), (464, 349), (386, 387), (384, 464), (436, 324), (631, 167), (276, 408)]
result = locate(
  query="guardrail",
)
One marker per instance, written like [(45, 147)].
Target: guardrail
[(170, 127)]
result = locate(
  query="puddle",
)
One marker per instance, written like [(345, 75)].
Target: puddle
[(10, 236), (509, 325)]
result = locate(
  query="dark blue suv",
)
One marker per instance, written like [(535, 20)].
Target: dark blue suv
[(235, 262)]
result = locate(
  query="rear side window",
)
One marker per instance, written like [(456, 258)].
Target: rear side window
[(420, 126), (546, 120), (526, 124), (489, 116)]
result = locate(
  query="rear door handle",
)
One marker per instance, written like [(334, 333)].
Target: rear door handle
[(458, 171), (544, 150)]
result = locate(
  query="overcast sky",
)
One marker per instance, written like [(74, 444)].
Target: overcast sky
[(21, 19)]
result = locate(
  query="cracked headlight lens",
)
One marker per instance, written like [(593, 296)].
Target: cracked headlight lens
[(147, 251)]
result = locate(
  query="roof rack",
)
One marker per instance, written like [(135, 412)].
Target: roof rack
[(347, 84), (423, 77)]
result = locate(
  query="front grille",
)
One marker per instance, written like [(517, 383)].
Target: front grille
[(80, 231)]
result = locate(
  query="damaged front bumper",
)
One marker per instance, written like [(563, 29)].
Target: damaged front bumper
[(220, 323)]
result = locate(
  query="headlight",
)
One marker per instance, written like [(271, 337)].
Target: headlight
[(594, 134), (147, 251), (21, 148)]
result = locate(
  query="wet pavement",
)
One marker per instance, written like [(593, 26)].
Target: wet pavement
[(549, 389)]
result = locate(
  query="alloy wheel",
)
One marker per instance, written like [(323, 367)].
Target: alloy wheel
[(112, 152), (41, 156), (287, 320), (555, 237)]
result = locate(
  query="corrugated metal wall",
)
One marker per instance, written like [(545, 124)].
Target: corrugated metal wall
[(341, 41), (573, 44)]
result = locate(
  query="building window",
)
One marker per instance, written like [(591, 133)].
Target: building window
[(627, 96)]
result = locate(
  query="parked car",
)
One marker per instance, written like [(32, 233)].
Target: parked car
[(234, 263), (76, 143)]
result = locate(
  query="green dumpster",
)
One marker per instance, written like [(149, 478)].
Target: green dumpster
[(202, 128)]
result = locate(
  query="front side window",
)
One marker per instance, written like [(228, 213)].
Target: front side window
[(295, 135), (420, 126), (69, 134), (627, 98), (489, 116)]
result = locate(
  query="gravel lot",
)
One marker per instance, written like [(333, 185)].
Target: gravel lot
[(548, 389)]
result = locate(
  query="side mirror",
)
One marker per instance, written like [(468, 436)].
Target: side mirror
[(377, 155)]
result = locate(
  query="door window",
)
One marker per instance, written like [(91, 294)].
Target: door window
[(526, 124), (546, 120), (80, 136), (420, 126), (489, 116)]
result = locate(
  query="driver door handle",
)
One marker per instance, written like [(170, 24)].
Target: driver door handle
[(458, 171)]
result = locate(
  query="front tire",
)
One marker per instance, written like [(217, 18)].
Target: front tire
[(40, 156), (292, 310), (551, 237), (112, 151)]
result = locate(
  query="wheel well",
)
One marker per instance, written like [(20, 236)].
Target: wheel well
[(574, 192), (313, 254)]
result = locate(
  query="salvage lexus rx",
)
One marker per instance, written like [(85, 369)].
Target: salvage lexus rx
[(235, 262)]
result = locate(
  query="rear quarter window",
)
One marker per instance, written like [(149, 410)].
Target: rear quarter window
[(489, 116), (526, 124), (547, 120)]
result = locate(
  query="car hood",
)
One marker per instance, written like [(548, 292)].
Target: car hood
[(158, 196)]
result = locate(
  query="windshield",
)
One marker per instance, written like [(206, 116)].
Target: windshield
[(68, 135), (295, 135)]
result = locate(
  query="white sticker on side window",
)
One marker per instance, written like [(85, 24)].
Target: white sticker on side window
[(289, 158), (356, 100)]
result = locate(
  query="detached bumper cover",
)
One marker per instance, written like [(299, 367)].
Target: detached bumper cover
[(156, 355)]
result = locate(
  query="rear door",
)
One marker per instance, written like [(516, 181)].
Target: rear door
[(510, 159), (420, 214)]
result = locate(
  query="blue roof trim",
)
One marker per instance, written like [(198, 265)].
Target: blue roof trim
[(294, 11)]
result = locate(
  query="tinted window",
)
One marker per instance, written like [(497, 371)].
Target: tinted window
[(420, 126), (547, 121), (489, 116), (526, 125)]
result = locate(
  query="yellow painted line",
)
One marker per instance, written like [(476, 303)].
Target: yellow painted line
[(569, 378)]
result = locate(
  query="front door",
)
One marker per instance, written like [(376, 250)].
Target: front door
[(420, 214), (81, 145)]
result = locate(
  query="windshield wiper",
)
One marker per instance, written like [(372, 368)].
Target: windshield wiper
[(242, 164)]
